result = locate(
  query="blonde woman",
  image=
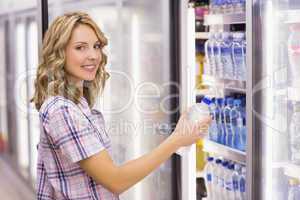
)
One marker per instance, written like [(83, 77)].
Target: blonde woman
[(73, 152)]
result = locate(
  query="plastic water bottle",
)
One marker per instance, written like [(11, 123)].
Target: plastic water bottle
[(216, 175), (294, 54), (295, 134), (228, 9), (294, 189), (217, 54), (242, 184), (226, 57), (218, 6), (235, 181), (210, 65), (228, 127), (199, 110), (213, 128), (238, 128), (222, 178), (222, 132), (219, 106), (238, 55), (238, 6), (229, 182), (209, 169)]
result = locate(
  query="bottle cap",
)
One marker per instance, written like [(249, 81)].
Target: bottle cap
[(209, 159), (206, 100), (237, 102), (229, 101)]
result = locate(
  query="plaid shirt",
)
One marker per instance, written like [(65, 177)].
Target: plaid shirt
[(70, 133)]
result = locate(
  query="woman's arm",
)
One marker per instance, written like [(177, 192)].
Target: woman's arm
[(119, 178)]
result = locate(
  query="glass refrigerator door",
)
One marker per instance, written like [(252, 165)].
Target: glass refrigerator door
[(276, 98)]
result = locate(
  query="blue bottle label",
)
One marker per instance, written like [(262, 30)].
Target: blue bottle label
[(208, 177)]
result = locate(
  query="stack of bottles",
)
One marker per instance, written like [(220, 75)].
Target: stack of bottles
[(227, 6), (294, 189), (225, 55), (225, 180), (294, 131), (228, 126)]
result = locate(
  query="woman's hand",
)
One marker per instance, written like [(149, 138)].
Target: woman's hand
[(188, 132)]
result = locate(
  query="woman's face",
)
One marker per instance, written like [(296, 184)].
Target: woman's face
[(83, 55)]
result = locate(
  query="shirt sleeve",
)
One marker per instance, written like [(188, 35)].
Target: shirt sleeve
[(72, 134)]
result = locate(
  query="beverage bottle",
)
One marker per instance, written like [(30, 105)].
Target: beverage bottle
[(210, 65), (218, 6), (213, 128), (209, 168), (229, 182), (223, 173), (238, 6), (219, 104), (238, 127), (294, 54), (216, 175), (212, 6), (229, 9), (217, 54), (199, 110), (294, 130), (228, 126), (294, 189), (222, 131), (238, 55), (242, 184), (235, 181), (226, 57)]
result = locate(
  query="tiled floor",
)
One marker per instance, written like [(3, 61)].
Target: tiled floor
[(11, 186)]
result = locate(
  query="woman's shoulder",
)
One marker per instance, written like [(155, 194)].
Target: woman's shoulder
[(53, 103)]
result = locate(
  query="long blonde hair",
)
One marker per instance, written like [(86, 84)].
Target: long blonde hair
[(51, 76)]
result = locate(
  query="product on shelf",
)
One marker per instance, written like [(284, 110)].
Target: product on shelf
[(294, 54), (295, 134), (227, 6), (239, 55), (199, 66), (225, 179), (199, 110), (294, 189), (200, 156)]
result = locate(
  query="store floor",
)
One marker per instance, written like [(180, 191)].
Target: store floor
[(11, 185)]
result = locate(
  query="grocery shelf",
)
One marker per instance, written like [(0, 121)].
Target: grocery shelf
[(219, 19), (290, 16), (236, 85), (292, 170), (224, 151), (202, 35)]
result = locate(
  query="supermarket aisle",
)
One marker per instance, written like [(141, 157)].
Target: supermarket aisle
[(11, 186)]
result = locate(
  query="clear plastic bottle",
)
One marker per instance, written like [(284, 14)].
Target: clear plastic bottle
[(294, 189), (209, 170), (216, 175), (213, 128), (199, 110), (221, 130), (223, 173), (242, 184), (239, 55), (229, 182), (294, 130), (210, 64), (228, 126), (217, 54), (294, 54), (226, 57), (237, 125), (235, 180)]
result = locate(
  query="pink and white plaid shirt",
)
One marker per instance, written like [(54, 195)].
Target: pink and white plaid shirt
[(70, 133)]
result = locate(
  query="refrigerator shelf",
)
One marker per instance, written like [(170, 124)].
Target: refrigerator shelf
[(292, 170), (224, 151), (219, 19), (202, 35), (214, 82)]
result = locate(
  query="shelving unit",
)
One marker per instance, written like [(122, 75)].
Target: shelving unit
[(224, 151), (236, 85), (215, 19), (292, 170)]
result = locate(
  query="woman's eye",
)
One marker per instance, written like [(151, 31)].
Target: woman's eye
[(97, 46), (80, 48)]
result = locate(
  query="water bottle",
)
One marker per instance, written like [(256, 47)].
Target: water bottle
[(229, 9), (213, 128), (294, 189), (209, 168), (221, 181), (238, 6), (235, 181), (229, 182), (222, 131), (217, 54), (218, 6), (294, 54), (210, 65), (237, 124), (294, 130), (226, 57), (216, 175), (238, 55), (219, 107), (199, 110), (228, 127), (242, 184)]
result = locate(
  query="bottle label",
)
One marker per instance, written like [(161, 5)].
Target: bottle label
[(235, 185), (228, 185), (208, 177)]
